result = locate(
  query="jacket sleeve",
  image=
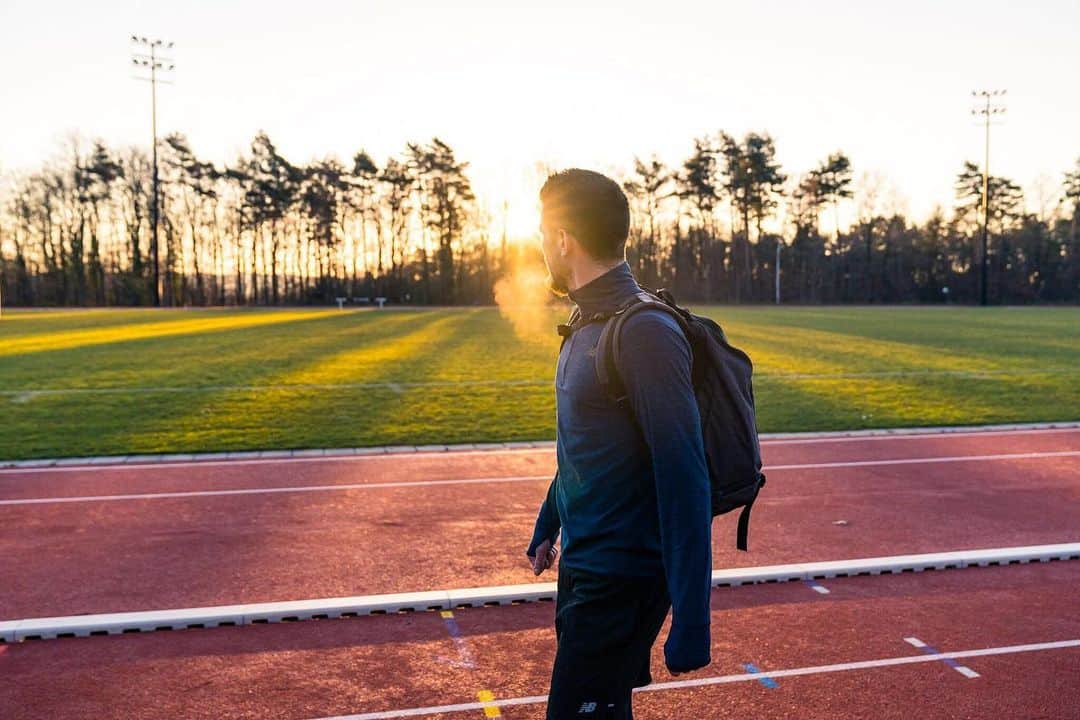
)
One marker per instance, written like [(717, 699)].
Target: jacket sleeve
[(547, 520), (654, 364)]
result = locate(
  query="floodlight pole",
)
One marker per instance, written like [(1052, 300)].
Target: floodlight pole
[(153, 152), (986, 112), (153, 62), (779, 242)]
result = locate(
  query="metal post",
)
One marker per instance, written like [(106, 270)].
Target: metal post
[(986, 112), (153, 152), (986, 208), (154, 63), (778, 244)]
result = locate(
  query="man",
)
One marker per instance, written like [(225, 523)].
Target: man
[(631, 494)]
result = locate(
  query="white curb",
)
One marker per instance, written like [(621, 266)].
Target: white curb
[(296, 610), (519, 445)]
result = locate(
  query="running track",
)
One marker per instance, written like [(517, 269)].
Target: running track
[(140, 538)]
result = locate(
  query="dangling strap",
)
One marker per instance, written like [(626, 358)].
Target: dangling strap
[(743, 528)]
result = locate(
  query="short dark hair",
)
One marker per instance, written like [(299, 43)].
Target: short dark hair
[(591, 207)]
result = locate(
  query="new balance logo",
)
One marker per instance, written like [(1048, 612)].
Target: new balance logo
[(588, 707)]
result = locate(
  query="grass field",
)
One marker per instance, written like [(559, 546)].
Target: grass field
[(140, 381)]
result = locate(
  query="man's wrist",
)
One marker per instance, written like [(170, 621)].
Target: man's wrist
[(539, 538)]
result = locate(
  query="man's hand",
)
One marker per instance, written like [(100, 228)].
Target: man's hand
[(687, 648), (544, 557)]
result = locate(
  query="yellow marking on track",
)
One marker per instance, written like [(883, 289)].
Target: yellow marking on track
[(491, 711), (446, 614)]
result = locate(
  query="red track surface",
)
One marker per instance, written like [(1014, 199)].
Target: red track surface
[(114, 556), (158, 553), (335, 667)]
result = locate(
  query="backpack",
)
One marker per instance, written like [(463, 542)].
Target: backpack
[(721, 377)]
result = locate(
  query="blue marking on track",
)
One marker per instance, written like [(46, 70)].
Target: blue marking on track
[(459, 640), (951, 662), (766, 681)]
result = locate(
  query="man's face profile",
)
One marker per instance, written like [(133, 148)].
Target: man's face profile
[(558, 277)]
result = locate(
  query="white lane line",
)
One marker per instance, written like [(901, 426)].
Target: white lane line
[(726, 679), (910, 434), (111, 464), (924, 460), (262, 491), (523, 478)]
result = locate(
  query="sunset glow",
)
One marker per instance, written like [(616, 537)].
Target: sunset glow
[(595, 84)]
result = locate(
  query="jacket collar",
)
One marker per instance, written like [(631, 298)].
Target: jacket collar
[(606, 292)]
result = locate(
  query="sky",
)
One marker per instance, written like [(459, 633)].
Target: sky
[(515, 86)]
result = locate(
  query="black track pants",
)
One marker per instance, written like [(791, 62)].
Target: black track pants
[(605, 626)]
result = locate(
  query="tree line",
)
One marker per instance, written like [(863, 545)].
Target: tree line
[(880, 257), (259, 231), (263, 230)]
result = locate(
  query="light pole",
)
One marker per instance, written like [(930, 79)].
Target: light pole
[(779, 242), (987, 112), (155, 63)]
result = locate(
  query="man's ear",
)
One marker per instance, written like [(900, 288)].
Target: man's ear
[(563, 242)]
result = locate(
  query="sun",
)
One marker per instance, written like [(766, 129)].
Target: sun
[(514, 205)]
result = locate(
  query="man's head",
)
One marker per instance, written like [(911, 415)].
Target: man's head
[(584, 221)]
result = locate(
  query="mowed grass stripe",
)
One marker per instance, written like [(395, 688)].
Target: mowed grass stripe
[(119, 381), (25, 395)]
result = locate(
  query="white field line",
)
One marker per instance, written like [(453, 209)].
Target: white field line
[(282, 457), (397, 386), (727, 679), (290, 610), (518, 478), (29, 394)]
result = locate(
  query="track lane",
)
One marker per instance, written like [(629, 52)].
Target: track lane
[(114, 557), (385, 664), (410, 467)]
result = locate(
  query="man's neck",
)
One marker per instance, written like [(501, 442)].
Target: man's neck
[(606, 291), (587, 273)]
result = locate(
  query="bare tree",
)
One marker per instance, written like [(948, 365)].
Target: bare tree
[(649, 187)]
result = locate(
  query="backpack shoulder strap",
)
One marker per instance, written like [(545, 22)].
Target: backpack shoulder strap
[(572, 323), (576, 321), (607, 349)]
